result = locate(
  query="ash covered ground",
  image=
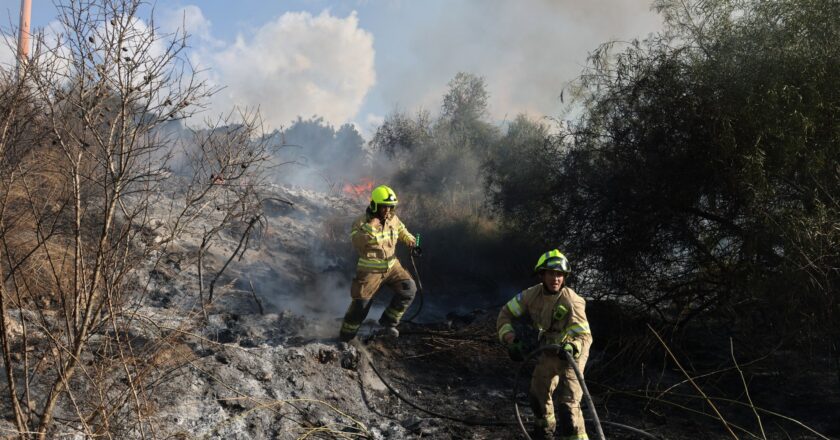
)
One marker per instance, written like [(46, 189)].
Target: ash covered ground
[(282, 374), (265, 363)]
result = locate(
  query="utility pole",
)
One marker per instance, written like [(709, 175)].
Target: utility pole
[(23, 36)]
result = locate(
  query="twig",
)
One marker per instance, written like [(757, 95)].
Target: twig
[(696, 387), (674, 404), (279, 200), (272, 404), (232, 256), (720, 399), (200, 265), (254, 294), (746, 389), (711, 373), (773, 413)]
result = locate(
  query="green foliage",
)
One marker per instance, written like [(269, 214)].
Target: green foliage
[(464, 107), (399, 134), (439, 159), (703, 175), (519, 167), (466, 99)]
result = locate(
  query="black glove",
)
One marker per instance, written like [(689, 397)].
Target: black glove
[(516, 351)]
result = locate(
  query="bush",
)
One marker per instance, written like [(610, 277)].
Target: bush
[(702, 177)]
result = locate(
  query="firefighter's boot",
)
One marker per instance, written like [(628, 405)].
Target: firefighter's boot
[(543, 429), (390, 332), (539, 433)]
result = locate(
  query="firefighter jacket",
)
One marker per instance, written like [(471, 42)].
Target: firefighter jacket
[(559, 317), (376, 245)]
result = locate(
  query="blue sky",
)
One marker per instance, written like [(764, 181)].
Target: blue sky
[(355, 61)]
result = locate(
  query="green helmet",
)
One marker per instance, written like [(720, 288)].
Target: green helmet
[(553, 260), (382, 195)]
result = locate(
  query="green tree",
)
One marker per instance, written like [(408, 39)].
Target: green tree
[(466, 99), (441, 157), (400, 134), (517, 169)]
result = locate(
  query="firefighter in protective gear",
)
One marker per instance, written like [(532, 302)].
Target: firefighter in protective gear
[(559, 315), (375, 235)]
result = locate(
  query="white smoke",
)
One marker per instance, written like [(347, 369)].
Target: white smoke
[(527, 52), (368, 125), (295, 65)]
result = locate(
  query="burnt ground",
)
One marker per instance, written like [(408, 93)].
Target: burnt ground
[(282, 375), (242, 374), (458, 370), (256, 376), (245, 375)]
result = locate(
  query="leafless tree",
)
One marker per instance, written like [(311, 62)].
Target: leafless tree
[(94, 188)]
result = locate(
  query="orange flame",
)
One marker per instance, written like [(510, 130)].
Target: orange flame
[(360, 190)]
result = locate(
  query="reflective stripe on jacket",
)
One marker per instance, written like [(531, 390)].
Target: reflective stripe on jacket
[(559, 317), (376, 245)]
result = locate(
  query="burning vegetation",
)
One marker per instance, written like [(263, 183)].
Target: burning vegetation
[(360, 190)]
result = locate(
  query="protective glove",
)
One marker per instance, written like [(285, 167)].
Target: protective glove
[(416, 250), (572, 349), (516, 351)]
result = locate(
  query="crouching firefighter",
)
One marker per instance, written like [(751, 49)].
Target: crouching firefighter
[(374, 236), (559, 315)]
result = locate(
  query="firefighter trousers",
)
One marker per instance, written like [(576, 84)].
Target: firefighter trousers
[(553, 373), (364, 288)]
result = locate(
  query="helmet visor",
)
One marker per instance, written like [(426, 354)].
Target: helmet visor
[(558, 264)]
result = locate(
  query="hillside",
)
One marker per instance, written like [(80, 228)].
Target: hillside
[(265, 364)]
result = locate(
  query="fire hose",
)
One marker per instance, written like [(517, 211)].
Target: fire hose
[(589, 403), (416, 251), (480, 422), (582, 383), (471, 422)]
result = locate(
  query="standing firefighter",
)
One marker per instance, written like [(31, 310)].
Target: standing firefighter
[(560, 316), (374, 236)]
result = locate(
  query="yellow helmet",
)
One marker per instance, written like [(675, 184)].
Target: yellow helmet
[(382, 195), (553, 260)]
